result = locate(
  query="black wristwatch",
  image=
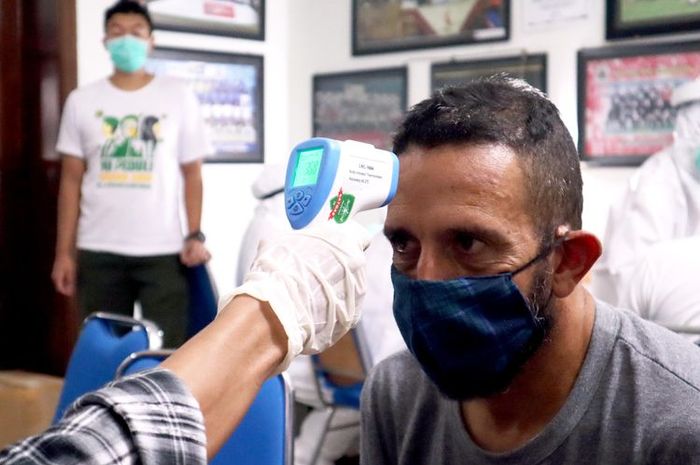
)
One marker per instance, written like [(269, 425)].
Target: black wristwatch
[(196, 236)]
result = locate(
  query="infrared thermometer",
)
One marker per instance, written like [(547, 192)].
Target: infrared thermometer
[(331, 181)]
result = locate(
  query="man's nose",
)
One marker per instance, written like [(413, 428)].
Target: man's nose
[(433, 265)]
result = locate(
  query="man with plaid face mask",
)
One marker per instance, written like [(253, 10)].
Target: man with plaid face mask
[(511, 360)]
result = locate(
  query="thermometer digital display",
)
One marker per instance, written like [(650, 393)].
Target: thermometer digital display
[(330, 180), (308, 166)]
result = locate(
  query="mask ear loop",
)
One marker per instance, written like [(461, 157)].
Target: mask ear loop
[(562, 233)]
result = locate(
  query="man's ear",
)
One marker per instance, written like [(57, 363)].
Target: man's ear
[(576, 255)]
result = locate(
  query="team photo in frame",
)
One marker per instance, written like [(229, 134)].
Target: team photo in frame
[(229, 88), (624, 109), (366, 106)]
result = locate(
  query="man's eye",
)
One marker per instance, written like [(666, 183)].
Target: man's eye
[(399, 245), (399, 242), (465, 242)]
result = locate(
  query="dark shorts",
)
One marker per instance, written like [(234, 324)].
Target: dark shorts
[(113, 283)]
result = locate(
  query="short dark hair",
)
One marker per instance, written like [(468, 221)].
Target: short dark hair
[(507, 111), (128, 6)]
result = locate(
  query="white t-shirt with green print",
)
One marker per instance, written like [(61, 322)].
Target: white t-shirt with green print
[(133, 143)]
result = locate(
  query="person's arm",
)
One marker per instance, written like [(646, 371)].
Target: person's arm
[(309, 285), (226, 363), (303, 293), (64, 268), (194, 252), (147, 419), (181, 415)]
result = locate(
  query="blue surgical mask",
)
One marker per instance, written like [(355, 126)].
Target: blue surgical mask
[(129, 53), (470, 335)]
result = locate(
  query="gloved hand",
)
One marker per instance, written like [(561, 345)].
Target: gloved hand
[(314, 279)]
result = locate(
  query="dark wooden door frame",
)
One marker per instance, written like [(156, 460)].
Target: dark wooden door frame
[(37, 70)]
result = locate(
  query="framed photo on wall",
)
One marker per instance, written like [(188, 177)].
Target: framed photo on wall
[(235, 18), (366, 106), (627, 18), (230, 92), (624, 93), (531, 68), (386, 26)]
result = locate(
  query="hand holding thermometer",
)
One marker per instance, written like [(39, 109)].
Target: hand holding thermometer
[(329, 180)]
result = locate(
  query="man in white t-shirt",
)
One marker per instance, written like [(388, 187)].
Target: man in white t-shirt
[(132, 147)]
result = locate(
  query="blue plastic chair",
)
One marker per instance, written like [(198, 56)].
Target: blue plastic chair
[(203, 298), (104, 341), (264, 436), (334, 395)]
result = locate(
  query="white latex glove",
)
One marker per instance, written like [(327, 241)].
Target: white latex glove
[(314, 280)]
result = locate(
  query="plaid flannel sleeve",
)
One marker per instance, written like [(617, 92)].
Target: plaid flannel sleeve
[(149, 418)]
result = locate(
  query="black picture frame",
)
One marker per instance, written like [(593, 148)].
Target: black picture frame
[(624, 19), (380, 27), (624, 109), (229, 87), (366, 106), (243, 19), (530, 67)]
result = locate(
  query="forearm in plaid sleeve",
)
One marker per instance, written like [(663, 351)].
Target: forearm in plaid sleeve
[(148, 419)]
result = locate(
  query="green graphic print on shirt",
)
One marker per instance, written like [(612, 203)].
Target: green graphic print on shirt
[(126, 156)]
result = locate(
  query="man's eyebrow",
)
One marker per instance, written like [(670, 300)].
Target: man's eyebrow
[(485, 234), (390, 231)]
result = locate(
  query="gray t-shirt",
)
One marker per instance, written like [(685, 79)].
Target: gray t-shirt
[(636, 401)]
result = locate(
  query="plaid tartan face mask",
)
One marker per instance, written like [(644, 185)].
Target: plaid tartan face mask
[(471, 335)]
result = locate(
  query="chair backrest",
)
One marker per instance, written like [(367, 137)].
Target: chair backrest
[(104, 341), (140, 361), (264, 436), (203, 298), (340, 371)]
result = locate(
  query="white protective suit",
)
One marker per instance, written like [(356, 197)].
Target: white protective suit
[(661, 202), (377, 325), (664, 284)]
